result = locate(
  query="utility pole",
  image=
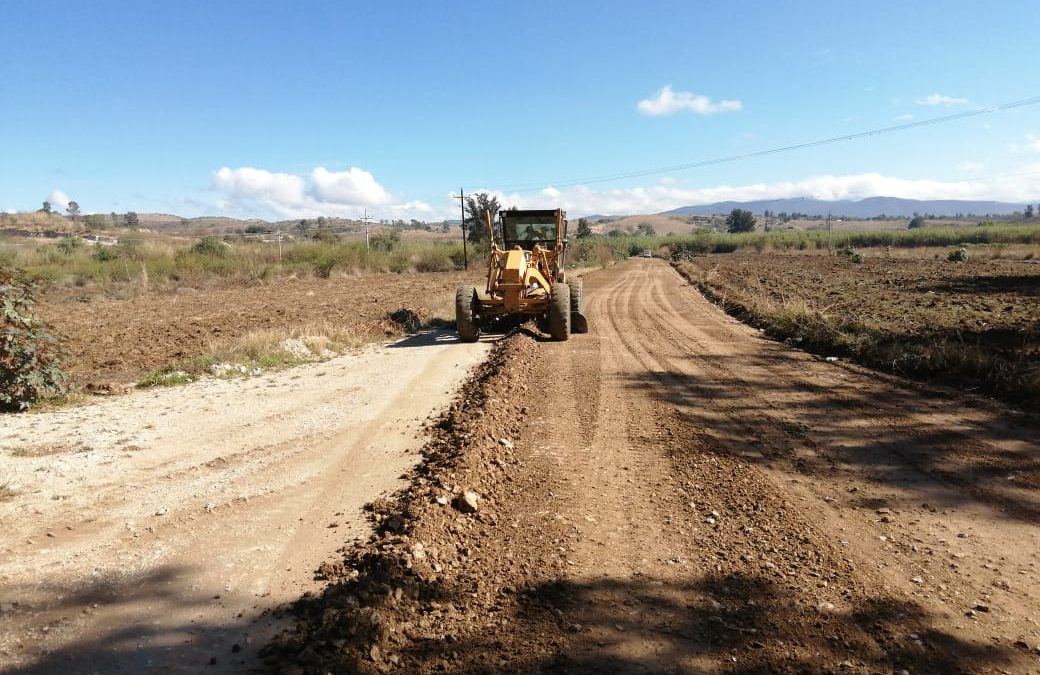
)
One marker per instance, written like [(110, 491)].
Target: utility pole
[(830, 246), (462, 211), (365, 221)]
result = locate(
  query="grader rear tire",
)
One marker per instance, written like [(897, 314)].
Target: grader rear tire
[(465, 323), (560, 312), (577, 306)]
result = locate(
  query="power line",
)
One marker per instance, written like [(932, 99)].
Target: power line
[(530, 187)]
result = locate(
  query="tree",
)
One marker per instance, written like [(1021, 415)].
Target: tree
[(1029, 210), (46, 207), (915, 222), (740, 220), (131, 220), (584, 230), (478, 207), (646, 229), (73, 209)]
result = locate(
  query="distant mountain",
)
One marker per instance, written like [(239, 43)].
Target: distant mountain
[(865, 208)]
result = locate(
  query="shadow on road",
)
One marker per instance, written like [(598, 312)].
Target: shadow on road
[(137, 623), (893, 436)]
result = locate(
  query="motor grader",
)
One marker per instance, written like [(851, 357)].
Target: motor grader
[(525, 279)]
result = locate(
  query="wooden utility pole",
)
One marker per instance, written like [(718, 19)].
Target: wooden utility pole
[(462, 212), (365, 221)]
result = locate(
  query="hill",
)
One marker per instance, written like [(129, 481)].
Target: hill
[(871, 207)]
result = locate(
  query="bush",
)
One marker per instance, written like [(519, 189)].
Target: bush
[(30, 364), (385, 241), (104, 253), (70, 245), (211, 246), (434, 260), (958, 255)]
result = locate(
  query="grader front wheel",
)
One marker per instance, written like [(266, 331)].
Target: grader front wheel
[(465, 322), (560, 312)]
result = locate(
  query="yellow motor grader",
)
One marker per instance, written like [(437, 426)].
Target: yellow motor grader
[(526, 279)]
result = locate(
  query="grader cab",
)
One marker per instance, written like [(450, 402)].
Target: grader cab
[(526, 279)]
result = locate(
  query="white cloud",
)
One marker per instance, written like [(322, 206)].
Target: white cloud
[(906, 117), (1016, 187), (249, 184), (59, 200), (939, 99), (348, 187), (1031, 144), (258, 192), (669, 102)]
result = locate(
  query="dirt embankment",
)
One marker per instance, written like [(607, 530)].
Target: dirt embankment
[(674, 493), (974, 325)]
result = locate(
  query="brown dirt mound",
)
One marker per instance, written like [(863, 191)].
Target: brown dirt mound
[(428, 581)]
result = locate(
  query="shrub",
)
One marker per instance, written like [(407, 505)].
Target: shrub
[(30, 364), (104, 253), (70, 245), (958, 255), (385, 241), (211, 246), (434, 260)]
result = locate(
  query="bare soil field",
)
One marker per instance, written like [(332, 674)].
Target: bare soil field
[(974, 325), (119, 340), (675, 493)]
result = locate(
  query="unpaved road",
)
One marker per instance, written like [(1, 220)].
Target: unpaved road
[(673, 493), (150, 531)]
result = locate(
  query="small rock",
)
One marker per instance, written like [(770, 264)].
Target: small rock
[(917, 580), (1002, 583), (468, 502), (981, 607), (1022, 644), (826, 606), (442, 500), (505, 442), (884, 512), (373, 653), (418, 551), (6, 607)]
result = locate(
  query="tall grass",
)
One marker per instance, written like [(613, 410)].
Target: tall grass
[(788, 240), (159, 262)]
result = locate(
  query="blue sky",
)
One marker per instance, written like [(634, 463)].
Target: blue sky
[(277, 109)]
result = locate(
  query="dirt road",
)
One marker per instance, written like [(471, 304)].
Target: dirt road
[(150, 531), (686, 497)]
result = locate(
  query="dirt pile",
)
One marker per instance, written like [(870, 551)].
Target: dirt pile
[(429, 584)]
